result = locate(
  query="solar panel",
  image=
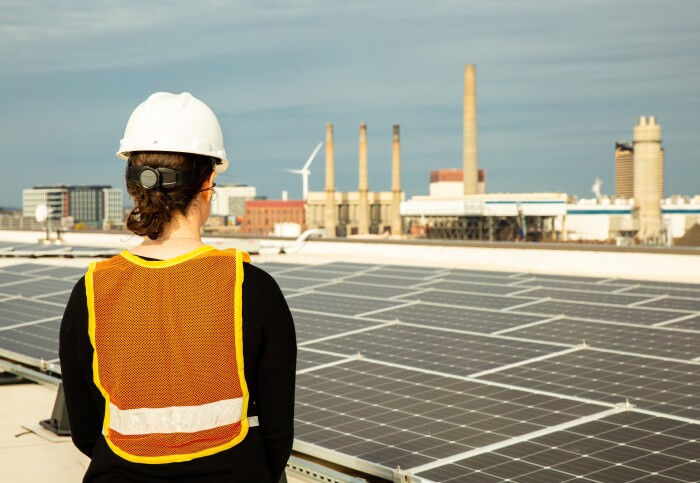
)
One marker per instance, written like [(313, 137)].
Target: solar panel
[(394, 418), (462, 375), (37, 341), (436, 350), (17, 311), (663, 291), (628, 446), (363, 290), (36, 287), (464, 299), (592, 296), (630, 315), (691, 323), (674, 303), (457, 318), (312, 326), (337, 304), (663, 342), (656, 384), (315, 274), (588, 287), (307, 359), (474, 287)]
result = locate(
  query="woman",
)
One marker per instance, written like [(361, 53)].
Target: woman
[(177, 359)]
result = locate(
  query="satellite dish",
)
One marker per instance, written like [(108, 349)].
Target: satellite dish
[(41, 213)]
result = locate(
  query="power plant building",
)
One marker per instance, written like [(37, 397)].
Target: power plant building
[(361, 212), (347, 206), (624, 170)]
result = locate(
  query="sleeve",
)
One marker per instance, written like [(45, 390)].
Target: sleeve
[(276, 375), (84, 416)]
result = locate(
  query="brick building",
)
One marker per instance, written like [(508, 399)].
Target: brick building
[(262, 215)]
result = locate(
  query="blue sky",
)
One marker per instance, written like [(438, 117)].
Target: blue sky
[(558, 82)]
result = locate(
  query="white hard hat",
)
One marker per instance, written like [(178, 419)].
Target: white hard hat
[(178, 123)]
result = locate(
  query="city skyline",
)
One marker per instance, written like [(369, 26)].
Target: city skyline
[(557, 86)]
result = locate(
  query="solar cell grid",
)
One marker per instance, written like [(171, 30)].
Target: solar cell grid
[(17, 311), (311, 326), (363, 290), (7, 279), (23, 267), (692, 323), (660, 385), (60, 299), (475, 320), (37, 341), (629, 315), (595, 297), (315, 274), (633, 339), (61, 272), (659, 284), (622, 447), (435, 350), (436, 430), (478, 278), (485, 273), (487, 288), (674, 303), (37, 287), (327, 303), (588, 287), (464, 299), (296, 284), (307, 359), (654, 291), (386, 280), (345, 266), (398, 270)]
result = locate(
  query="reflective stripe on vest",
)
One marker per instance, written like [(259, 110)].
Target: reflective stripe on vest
[(168, 356)]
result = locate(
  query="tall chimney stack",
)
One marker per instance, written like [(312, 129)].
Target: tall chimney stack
[(362, 188), (329, 212), (470, 146), (396, 183), (647, 192)]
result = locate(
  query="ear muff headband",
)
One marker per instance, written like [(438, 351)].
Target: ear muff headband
[(150, 178)]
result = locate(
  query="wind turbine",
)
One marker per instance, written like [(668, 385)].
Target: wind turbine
[(304, 172)]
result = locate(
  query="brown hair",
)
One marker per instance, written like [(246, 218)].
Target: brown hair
[(154, 208)]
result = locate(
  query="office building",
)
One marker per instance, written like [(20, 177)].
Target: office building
[(92, 205)]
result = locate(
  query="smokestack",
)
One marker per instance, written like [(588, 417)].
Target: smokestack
[(329, 215), (647, 192), (396, 183), (470, 146), (362, 188)]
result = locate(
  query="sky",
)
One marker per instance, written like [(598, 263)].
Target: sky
[(558, 83)]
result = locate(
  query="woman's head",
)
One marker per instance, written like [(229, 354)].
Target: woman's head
[(178, 132), (154, 208)]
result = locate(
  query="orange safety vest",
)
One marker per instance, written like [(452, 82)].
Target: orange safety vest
[(168, 353)]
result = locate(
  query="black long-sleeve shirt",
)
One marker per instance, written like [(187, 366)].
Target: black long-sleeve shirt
[(269, 354)]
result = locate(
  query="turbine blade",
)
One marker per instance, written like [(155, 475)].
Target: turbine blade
[(311, 158)]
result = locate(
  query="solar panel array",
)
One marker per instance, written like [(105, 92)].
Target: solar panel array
[(430, 374)]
